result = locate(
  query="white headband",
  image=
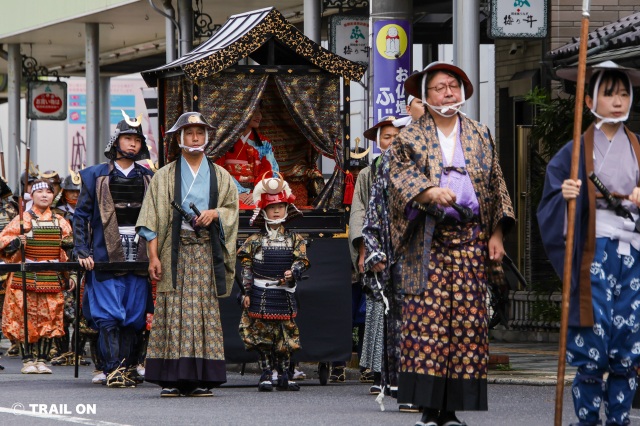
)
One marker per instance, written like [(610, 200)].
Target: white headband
[(40, 185)]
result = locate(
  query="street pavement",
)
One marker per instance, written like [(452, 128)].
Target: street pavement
[(521, 392)]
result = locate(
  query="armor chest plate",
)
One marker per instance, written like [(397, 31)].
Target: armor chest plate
[(273, 262), (127, 195)]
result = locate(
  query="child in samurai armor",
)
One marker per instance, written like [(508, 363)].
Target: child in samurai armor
[(45, 237), (273, 261)]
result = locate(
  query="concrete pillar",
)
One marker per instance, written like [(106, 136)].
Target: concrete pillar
[(13, 144), (185, 14), (170, 31), (104, 128), (312, 19), (466, 47), (92, 75)]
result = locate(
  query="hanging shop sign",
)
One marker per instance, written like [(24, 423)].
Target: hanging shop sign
[(47, 100), (518, 19), (349, 37)]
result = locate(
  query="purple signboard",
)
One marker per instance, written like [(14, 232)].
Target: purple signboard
[(391, 66)]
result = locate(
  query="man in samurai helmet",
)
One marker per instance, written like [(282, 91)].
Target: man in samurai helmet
[(127, 126)]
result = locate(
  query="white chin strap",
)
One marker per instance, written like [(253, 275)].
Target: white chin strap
[(612, 120), (268, 221), (378, 141), (443, 109), (190, 148)]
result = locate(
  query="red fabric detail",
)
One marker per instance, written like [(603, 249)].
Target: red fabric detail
[(348, 189), (276, 317), (299, 190)]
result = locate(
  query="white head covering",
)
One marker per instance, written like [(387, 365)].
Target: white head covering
[(632, 74)]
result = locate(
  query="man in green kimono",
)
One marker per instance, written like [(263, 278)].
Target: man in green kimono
[(192, 256)]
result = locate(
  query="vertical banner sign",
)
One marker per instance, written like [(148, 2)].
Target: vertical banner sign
[(391, 64)]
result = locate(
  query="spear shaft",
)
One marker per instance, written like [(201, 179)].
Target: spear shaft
[(571, 212), (21, 209)]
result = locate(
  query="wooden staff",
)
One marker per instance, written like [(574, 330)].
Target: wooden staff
[(571, 211), (21, 208), (2, 157)]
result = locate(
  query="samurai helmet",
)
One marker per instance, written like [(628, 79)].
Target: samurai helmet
[(5, 191), (72, 182), (269, 191), (52, 176), (127, 127), (34, 173), (190, 119)]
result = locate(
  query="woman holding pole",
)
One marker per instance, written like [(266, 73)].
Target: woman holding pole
[(603, 335), (44, 239)]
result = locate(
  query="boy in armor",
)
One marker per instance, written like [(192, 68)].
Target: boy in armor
[(104, 229), (272, 262)]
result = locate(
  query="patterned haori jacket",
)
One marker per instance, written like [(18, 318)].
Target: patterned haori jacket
[(415, 165), (158, 216)]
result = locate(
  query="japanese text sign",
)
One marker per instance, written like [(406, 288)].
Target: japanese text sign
[(518, 19), (47, 100), (349, 37), (391, 66)]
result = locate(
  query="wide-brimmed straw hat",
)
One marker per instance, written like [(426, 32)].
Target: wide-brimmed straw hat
[(372, 132), (413, 84), (571, 73)]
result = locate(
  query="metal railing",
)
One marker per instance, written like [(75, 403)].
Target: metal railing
[(70, 267)]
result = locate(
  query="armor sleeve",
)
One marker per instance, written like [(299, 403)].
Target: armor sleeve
[(247, 278), (245, 255), (301, 262), (81, 223)]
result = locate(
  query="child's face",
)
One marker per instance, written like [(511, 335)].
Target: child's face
[(275, 211)]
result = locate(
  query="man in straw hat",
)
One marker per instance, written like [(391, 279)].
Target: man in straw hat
[(103, 229), (192, 257), (603, 335), (382, 134), (449, 209)]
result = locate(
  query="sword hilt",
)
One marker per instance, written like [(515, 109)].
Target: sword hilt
[(194, 208), (466, 214)]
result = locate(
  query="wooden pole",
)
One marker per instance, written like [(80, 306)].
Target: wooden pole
[(571, 211), (21, 208), (2, 158)]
